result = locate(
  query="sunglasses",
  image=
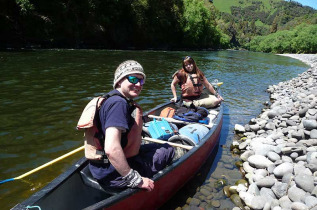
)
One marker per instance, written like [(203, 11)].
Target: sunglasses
[(135, 80)]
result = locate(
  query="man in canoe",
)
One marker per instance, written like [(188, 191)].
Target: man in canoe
[(126, 162)]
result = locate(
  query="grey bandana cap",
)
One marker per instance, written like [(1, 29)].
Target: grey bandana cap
[(126, 68)]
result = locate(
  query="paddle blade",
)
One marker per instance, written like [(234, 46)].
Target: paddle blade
[(6, 180), (219, 84)]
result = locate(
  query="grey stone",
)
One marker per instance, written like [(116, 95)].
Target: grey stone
[(273, 156), (283, 169), (285, 202), (302, 112), (257, 202), (286, 159), (313, 134), (239, 128), (312, 111), (271, 114), (267, 206), (274, 203), (296, 194), (265, 182), (282, 124), (310, 201), (298, 168), (259, 161), (298, 206), (253, 189), (312, 165), (243, 145), (291, 122), (244, 156), (298, 134), (311, 156), (310, 124), (279, 189), (301, 158), (314, 191), (305, 182), (294, 155), (255, 127), (267, 193), (261, 172), (270, 126), (246, 166), (287, 178)]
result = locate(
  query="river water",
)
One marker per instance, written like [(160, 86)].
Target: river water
[(43, 93)]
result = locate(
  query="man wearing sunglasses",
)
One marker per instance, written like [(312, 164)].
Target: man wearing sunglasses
[(130, 164)]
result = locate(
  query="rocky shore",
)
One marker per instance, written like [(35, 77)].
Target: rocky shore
[(279, 147)]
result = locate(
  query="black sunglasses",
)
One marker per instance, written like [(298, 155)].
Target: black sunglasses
[(135, 80)]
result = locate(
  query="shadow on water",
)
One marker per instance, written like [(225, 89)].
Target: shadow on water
[(184, 195), (202, 179)]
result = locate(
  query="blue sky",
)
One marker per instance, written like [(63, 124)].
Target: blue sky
[(311, 3)]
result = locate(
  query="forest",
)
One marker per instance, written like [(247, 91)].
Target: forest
[(110, 24), (263, 25), (268, 26)]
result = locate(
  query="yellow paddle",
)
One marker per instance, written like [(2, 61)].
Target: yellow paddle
[(43, 166)]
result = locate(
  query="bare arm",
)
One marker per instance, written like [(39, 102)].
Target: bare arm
[(117, 158), (173, 88), (211, 88), (114, 151)]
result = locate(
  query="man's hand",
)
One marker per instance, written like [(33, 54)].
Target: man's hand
[(147, 184)]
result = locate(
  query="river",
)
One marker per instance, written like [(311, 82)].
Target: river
[(43, 93)]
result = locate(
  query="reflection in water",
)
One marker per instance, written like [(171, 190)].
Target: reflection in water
[(43, 93)]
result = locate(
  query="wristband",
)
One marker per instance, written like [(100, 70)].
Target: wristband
[(133, 178)]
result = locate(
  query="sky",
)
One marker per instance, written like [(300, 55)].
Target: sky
[(311, 3)]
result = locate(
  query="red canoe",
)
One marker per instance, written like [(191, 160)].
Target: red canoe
[(75, 189)]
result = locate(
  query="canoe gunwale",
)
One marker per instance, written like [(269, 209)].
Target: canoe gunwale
[(128, 192), (213, 133)]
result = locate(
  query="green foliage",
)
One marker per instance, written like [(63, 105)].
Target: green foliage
[(138, 24), (243, 20), (198, 25), (25, 6), (144, 24), (302, 39), (225, 5)]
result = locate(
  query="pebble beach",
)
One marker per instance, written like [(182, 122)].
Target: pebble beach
[(278, 148)]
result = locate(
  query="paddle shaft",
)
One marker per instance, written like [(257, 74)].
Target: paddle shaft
[(170, 143), (172, 120), (44, 165)]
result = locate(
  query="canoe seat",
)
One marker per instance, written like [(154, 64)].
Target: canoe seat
[(90, 181)]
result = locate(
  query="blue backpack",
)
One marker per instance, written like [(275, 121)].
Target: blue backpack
[(190, 114)]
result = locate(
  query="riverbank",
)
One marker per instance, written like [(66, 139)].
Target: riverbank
[(279, 147)]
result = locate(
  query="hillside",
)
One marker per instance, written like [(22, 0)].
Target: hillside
[(225, 5), (242, 20)]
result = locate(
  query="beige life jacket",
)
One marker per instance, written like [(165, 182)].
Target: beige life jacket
[(93, 148)]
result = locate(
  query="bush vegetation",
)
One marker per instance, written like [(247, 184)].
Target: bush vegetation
[(251, 22), (165, 24), (138, 24), (302, 39)]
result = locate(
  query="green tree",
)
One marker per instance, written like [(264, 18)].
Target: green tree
[(273, 28), (199, 26)]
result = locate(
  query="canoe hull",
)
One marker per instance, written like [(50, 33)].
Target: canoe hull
[(169, 184), (68, 191)]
